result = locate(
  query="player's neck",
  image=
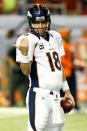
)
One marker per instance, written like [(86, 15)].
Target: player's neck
[(44, 36), (47, 36)]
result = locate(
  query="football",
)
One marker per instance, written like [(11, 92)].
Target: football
[(67, 105)]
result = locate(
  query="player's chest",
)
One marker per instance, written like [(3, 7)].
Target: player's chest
[(47, 54), (43, 46)]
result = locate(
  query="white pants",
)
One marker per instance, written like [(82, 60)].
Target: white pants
[(40, 107)]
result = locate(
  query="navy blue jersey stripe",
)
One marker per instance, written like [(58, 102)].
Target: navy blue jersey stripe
[(33, 75), (32, 108)]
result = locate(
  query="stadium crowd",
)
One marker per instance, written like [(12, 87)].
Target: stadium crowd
[(56, 6)]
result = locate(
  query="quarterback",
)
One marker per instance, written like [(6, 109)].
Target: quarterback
[(38, 53)]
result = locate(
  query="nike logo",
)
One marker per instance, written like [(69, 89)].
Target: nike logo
[(51, 49)]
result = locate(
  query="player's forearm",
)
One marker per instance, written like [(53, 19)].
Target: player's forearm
[(64, 77), (26, 68), (65, 86)]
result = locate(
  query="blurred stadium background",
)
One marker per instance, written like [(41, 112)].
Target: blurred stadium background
[(71, 14)]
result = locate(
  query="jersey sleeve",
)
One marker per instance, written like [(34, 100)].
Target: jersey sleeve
[(60, 44), (19, 55), (61, 48), (58, 38)]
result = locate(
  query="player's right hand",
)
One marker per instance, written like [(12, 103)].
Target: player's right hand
[(23, 46)]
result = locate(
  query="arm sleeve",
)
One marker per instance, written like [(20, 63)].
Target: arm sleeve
[(61, 51), (59, 42), (60, 45)]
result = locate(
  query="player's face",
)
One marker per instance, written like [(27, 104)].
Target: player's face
[(40, 28)]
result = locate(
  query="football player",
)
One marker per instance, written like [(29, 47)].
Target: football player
[(38, 53)]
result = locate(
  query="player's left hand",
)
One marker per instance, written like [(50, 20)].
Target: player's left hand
[(68, 95)]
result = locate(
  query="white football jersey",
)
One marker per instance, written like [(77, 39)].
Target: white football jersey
[(45, 56)]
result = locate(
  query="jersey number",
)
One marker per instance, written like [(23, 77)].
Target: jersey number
[(56, 61)]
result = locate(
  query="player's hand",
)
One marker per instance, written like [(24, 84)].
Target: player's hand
[(23, 47), (68, 95)]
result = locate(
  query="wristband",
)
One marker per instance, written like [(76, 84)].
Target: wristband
[(65, 86), (23, 59)]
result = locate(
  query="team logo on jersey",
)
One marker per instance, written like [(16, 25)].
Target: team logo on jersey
[(41, 46)]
